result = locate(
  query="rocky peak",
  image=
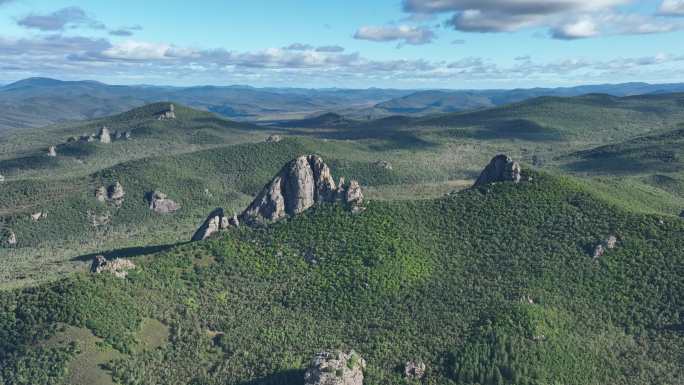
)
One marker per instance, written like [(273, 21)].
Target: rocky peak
[(169, 114), (300, 184), (500, 169), (104, 135), (335, 368)]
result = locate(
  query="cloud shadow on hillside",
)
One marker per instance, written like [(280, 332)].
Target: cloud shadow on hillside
[(128, 252)]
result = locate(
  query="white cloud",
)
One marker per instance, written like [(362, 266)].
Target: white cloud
[(672, 7), (565, 19), (403, 33)]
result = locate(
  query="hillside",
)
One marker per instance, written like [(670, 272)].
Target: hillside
[(445, 101), (493, 285)]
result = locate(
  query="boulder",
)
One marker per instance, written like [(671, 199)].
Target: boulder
[(500, 169), (414, 370), (118, 267), (215, 222), (169, 114), (104, 135), (52, 151), (127, 135), (274, 139), (335, 368), (300, 184), (160, 204), (38, 216), (2, 178)]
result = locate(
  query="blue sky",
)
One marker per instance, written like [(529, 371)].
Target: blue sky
[(350, 44)]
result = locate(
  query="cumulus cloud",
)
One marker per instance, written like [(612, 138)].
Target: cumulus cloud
[(565, 19), (144, 61), (672, 8), (59, 20), (403, 33)]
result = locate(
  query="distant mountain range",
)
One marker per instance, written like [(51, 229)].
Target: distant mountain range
[(440, 101), (40, 101)]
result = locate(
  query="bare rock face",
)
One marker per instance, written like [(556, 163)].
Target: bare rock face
[(118, 267), (104, 135), (169, 114), (274, 139), (52, 151), (335, 368), (500, 169), (215, 222), (299, 185), (414, 370), (159, 203)]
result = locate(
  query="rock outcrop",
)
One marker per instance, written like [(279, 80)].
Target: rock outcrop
[(161, 204), (116, 193), (414, 370), (500, 169), (274, 139), (97, 220), (335, 368), (215, 222), (602, 247), (2, 178), (104, 135), (9, 238), (52, 151), (38, 216), (299, 185), (169, 114), (101, 194), (384, 164), (118, 267)]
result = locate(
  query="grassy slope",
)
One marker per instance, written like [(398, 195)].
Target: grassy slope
[(438, 280), (646, 171)]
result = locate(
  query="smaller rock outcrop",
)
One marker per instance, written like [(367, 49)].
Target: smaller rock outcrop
[(274, 138), (38, 216), (97, 220), (52, 151), (608, 244), (169, 114), (116, 193), (126, 135), (2, 178), (335, 368), (9, 238), (414, 370), (72, 139), (384, 164), (161, 204), (101, 194), (104, 135), (500, 169), (118, 267), (215, 222)]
